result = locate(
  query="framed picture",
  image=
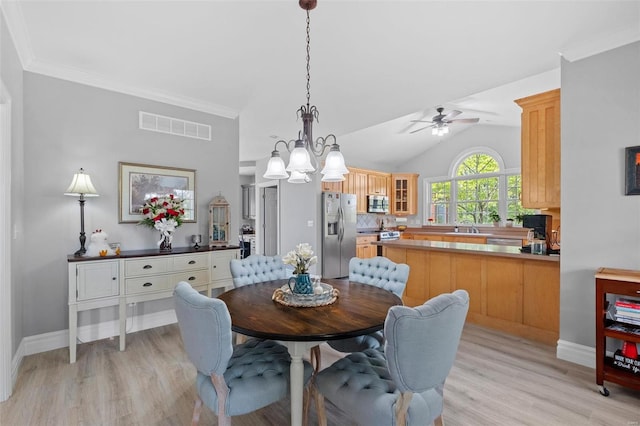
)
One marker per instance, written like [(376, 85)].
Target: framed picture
[(632, 170), (139, 182)]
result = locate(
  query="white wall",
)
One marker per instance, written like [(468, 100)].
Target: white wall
[(600, 225), (68, 126)]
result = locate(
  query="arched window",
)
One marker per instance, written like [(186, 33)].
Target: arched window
[(479, 190)]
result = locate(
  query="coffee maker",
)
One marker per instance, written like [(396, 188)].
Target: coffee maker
[(541, 226)]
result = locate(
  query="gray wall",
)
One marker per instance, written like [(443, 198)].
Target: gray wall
[(68, 126), (436, 161), (600, 225), (11, 75)]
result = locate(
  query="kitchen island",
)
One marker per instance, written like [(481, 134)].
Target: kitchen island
[(514, 292)]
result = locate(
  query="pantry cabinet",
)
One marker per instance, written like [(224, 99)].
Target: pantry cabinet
[(356, 183), (540, 150)]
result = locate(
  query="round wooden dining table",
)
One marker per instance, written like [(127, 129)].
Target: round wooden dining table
[(359, 309)]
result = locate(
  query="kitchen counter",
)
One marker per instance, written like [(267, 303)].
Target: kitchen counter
[(517, 293), (484, 249)]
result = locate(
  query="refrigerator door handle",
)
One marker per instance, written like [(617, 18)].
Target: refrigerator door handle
[(340, 224)]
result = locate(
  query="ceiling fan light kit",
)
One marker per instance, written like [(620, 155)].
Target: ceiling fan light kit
[(440, 122), (304, 152)]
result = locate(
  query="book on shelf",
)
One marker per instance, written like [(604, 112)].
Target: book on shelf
[(628, 303), (628, 320), (628, 312)]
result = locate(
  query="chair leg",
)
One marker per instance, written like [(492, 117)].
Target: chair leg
[(308, 392), (197, 409), (402, 406), (240, 338), (439, 421), (315, 359), (222, 390), (322, 415)]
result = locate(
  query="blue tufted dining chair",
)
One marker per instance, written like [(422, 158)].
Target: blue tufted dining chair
[(380, 272), (230, 380), (257, 268), (403, 384)]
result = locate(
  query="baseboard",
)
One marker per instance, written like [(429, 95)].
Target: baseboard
[(16, 362), (578, 354), (89, 333)]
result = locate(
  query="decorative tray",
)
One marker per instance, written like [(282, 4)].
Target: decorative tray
[(324, 294)]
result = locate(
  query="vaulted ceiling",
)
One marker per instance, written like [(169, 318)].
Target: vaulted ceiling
[(375, 65)]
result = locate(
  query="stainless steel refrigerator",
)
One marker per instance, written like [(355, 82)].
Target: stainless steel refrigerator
[(338, 233)]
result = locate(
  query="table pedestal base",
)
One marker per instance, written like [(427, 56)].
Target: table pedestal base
[(297, 350)]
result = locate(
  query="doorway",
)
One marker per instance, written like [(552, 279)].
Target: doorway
[(268, 218)]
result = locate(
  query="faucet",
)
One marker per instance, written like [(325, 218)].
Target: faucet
[(474, 229)]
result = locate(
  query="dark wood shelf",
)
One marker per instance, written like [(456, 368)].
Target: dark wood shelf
[(618, 282)]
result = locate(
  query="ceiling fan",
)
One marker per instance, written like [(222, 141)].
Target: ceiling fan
[(440, 122)]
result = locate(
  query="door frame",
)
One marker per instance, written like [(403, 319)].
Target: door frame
[(260, 209), (6, 326)]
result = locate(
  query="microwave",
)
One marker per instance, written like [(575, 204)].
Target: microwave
[(377, 204)]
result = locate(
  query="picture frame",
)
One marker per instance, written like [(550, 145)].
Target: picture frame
[(632, 170), (138, 182)]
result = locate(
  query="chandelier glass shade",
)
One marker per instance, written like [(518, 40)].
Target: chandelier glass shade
[(304, 152)]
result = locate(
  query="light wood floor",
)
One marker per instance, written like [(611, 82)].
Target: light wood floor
[(496, 380)]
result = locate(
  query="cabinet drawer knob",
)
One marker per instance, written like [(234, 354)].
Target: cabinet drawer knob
[(192, 262), (147, 284), (113, 278), (214, 266), (191, 278), (147, 267)]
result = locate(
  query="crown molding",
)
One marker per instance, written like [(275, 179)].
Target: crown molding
[(17, 30), (601, 44), (83, 77)]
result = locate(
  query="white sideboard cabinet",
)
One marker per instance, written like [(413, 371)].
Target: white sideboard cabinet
[(140, 276)]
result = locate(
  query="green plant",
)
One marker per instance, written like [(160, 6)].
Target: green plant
[(519, 218), (494, 216)]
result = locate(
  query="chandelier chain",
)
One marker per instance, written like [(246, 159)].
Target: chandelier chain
[(308, 59)]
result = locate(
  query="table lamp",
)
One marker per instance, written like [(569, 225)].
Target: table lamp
[(81, 186)]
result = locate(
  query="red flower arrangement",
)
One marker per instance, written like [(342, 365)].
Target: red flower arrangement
[(167, 207)]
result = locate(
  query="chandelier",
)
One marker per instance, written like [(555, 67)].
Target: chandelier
[(304, 152)]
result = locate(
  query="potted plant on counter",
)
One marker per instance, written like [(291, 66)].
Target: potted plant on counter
[(495, 217), (509, 223)]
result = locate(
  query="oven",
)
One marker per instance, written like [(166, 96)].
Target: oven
[(387, 236)]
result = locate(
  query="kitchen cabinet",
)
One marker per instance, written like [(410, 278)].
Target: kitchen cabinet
[(473, 239), (364, 249), (404, 194), (356, 183), (378, 183), (611, 284), (248, 201), (516, 294), (332, 186), (540, 150)]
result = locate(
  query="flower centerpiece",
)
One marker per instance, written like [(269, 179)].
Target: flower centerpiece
[(164, 213), (301, 259)]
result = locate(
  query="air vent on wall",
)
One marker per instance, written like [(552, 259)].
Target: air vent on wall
[(174, 126)]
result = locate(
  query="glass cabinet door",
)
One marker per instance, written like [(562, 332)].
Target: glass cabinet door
[(218, 221)]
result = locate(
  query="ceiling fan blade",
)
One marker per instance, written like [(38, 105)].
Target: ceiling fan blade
[(465, 120), (422, 128), (421, 121), (451, 114)]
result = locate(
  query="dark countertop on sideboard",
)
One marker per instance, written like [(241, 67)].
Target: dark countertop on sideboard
[(152, 252)]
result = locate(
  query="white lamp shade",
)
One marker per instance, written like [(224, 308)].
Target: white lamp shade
[(275, 168), (298, 177), (300, 161), (81, 185), (334, 164), (333, 177)]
